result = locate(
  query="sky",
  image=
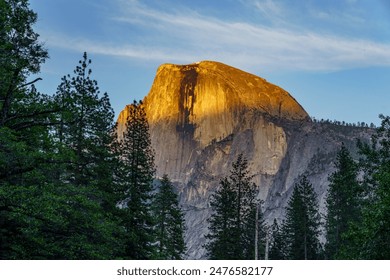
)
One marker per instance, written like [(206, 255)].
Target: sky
[(332, 56)]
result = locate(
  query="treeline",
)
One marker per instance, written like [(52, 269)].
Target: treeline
[(356, 223), (70, 188), (343, 123)]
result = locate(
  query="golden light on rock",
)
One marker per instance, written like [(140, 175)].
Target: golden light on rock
[(203, 115), (208, 93), (191, 106)]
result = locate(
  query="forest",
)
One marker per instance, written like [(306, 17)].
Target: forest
[(72, 188)]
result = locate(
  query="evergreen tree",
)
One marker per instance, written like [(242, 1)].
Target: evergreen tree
[(85, 125), (51, 222), (232, 224), (277, 246), (20, 56), (222, 239), (342, 201), (371, 237), (169, 222), (42, 215), (23, 111), (23, 120), (83, 140), (301, 226), (135, 178), (254, 234)]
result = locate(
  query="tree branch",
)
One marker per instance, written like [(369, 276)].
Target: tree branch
[(24, 125), (34, 114), (30, 83)]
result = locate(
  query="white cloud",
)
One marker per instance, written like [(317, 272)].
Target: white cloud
[(185, 37), (269, 8)]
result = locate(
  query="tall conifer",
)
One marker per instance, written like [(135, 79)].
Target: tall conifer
[(42, 214), (136, 182), (342, 202), (85, 122), (169, 219), (232, 225), (301, 226), (371, 236), (277, 246)]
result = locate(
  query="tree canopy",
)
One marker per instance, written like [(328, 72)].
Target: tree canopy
[(301, 227), (233, 223)]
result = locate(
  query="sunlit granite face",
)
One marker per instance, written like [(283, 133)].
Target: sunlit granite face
[(203, 115)]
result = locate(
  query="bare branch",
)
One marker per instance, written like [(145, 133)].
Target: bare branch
[(30, 83)]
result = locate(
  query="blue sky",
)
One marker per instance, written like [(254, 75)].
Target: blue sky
[(333, 56)]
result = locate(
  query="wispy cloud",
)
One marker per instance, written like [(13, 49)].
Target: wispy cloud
[(183, 36), (269, 8)]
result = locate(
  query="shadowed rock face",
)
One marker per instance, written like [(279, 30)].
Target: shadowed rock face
[(203, 115)]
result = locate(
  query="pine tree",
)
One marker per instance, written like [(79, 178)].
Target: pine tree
[(23, 111), (254, 234), (232, 224), (83, 140), (277, 247), (24, 134), (55, 222), (42, 215), (370, 238), (21, 55), (301, 226), (169, 222), (135, 179), (221, 239), (86, 122), (343, 205)]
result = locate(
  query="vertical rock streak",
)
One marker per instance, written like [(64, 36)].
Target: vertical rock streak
[(186, 101), (203, 115)]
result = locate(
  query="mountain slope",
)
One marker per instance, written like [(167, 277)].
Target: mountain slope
[(204, 114)]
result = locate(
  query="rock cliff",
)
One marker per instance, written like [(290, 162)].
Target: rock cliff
[(203, 115)]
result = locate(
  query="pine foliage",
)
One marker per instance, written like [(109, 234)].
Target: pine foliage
[(342, 202), (370, 238), (277, 246), (301, 227), (232, 225), (43, 214), (169, 222), (135, 178)]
